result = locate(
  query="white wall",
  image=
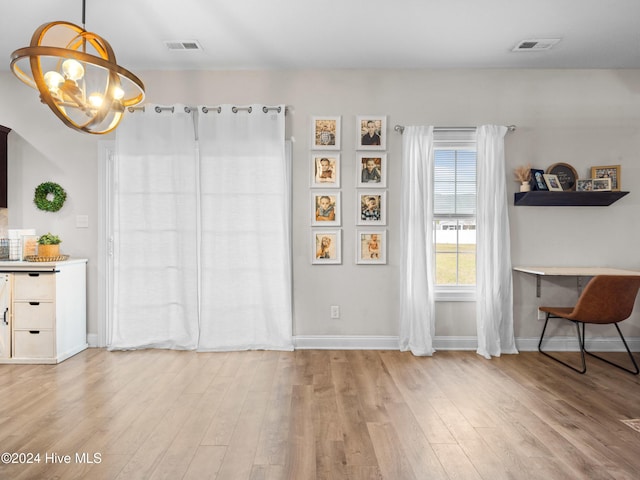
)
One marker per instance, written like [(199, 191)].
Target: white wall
[(580, 117), (40, 149)]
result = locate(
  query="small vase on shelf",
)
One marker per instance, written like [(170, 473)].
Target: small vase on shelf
[(525, 187)]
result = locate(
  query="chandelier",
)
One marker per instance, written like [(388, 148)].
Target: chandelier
[(77, 76)]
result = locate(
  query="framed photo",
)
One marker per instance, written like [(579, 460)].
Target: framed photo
[(325, 133), (371, 247), (371, 132), (608, 171), (584, 185), (537, 180), (372, 208), (325, 208), (553, 183), (601, 184), (326, 247), (325, 170), (371, 170)]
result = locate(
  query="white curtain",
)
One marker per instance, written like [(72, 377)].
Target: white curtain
[(494, 305), (417, 324), (202, 230), (246, 269), (155, 289)]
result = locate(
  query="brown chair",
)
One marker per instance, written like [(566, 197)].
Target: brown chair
[(606, 299)]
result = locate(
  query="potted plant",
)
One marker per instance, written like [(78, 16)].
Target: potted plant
[(49, 245)]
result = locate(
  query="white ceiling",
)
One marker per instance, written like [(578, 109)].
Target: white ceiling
[(291, 34)]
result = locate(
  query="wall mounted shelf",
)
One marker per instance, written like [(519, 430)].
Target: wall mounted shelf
[(567, 199)]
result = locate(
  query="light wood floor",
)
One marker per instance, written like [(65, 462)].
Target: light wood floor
[(318, 415)]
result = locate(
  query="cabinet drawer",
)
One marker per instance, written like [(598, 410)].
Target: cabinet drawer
[(34, 286), (33, 344), (33, 315)]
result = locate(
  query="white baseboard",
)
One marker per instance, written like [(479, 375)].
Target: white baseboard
[(388, 342), (373, 342), (92, 340), (345, 342), (570, 344)]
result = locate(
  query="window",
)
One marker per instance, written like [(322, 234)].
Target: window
[(454, 190)]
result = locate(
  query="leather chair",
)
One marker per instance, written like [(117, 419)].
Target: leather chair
[(606, 299)]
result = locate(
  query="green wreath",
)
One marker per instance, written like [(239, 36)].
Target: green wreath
[(48, 190)]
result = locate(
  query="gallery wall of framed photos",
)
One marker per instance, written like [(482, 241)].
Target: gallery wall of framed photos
[(371, 166)]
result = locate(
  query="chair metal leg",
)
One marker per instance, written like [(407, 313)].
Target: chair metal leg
[(580, 342), (633, 360)]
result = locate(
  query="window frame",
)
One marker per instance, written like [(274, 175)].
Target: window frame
[(454, 139)]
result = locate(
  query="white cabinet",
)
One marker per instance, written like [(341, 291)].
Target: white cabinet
[(47, 311)]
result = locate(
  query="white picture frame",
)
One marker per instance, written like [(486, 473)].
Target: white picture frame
[(601, 184), (325, 132), (372, 207), (371, 132), (326, 247), (325, 170), (371, 170), (325, 213), (371, 247), (553, 182)]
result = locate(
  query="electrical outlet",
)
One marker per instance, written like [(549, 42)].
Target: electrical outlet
[(541, 315), (335, 311)]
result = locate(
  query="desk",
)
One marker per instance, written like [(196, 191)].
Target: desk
[(577, 272)]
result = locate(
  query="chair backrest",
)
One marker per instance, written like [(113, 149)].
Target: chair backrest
[(607, 299)]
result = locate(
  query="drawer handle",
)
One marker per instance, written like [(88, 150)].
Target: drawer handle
[(34, 274), (34, 332), (34, 303)]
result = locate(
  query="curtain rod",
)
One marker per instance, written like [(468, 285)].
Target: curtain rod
[(218, 109), (400, 128)]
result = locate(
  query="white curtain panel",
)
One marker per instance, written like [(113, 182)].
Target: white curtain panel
[(202, 229), (155, 289), (417, 267), (494, 305), (245, 230)]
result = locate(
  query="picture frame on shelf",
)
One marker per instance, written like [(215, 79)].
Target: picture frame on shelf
[(601, 184), (371, 132), (325, 132), (372, 207), (566, 174), (325, 170), (326, 246), (553, 182), (537, 180), (608, 171), (325, 208), (371, 247), (371, 170), (584, 185)]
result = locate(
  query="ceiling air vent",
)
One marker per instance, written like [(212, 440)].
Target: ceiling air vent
[(183, 45), (536, 45)]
